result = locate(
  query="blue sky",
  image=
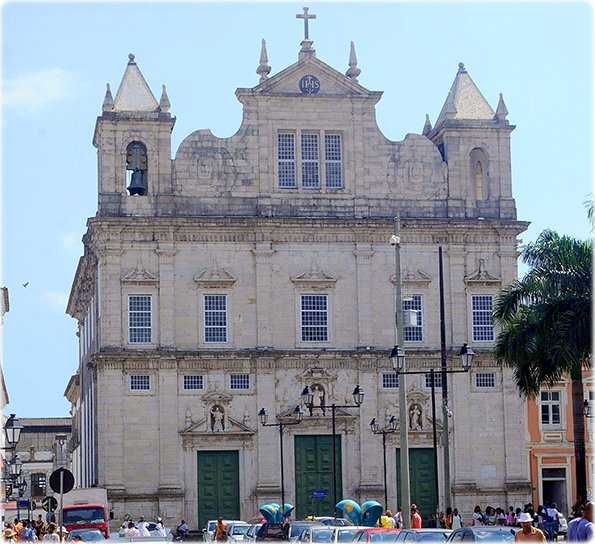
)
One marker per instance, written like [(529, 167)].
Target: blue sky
[(57, 58)]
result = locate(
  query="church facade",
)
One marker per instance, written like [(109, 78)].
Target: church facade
[(229, 278)]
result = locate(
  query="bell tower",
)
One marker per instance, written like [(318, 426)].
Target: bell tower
[(133, 141)]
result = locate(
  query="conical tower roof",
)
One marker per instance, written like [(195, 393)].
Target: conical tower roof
[(134, 93), (467, 99)]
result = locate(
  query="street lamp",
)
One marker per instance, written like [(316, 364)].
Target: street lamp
[(16, 466), (263, 417), (588, 409), (358, 399), (389, 428), (12, 431), (397, 357)]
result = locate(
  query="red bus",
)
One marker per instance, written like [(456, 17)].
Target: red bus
[(85, 516)]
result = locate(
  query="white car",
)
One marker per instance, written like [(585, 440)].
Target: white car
[(208, 533), (236, 531), (329, 534)]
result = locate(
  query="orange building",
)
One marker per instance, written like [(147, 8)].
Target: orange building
[(551, 443)]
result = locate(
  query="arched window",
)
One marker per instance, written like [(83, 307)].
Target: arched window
[(479, 170), (136, 169)]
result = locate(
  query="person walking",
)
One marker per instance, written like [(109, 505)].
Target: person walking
[(456, 520), (582, 529), (550, 520), (220, 530), (477, 517), (415, 518), (143, 526), (52, 533), (399, 518), (132, 530), (390, 521), (159, 526), (528, 533)]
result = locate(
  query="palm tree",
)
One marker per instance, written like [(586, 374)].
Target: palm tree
[(545, 325)]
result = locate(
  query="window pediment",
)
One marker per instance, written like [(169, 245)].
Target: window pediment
[(482, 277), (314, 279), (214, 278), (414, 278), (140, 276)]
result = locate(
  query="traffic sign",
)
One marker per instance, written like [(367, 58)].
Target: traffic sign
[(67, 480), (49, 504), (31, 505), (22, 503), (318, 494)]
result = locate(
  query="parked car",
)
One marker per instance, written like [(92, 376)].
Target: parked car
[(289, 532), (250, 535), (208, 533), (423, 535), (483, 534), (332, 535), (88, 535), (237, 530), (562, 525), (330, 520), (375, 534), (296, 528)]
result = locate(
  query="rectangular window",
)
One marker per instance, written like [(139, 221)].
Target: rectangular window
[(193, 383), (310, 175), (239, 381), (140, 383), (216, 318), (437, 380), (286, 151), (38, 484), (550, 408), (390, 381), (483, 330), (485, 380), (414, 333), (139, 319), (314, 311), (332, 152)]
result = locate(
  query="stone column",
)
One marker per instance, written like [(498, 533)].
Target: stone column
[(262, 257), (167, 324), (363, 255), (110, 296)]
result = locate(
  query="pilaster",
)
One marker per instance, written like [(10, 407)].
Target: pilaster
[(363, 255), (262, 257), (167, 328)]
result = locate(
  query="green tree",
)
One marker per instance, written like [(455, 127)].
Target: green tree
[(545, 325)]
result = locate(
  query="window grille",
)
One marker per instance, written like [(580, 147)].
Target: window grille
[(286, 151), (390, 381), (239, 381), (483, 330), (332, 149), (485, 380), (314, 310), (140, 383), (414, 333), (550, 408), (139, 319), (216, 318), (437, 380), (192, 383), (310, 175), (38, 484)]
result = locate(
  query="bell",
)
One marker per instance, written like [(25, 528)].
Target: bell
[(137, 185)]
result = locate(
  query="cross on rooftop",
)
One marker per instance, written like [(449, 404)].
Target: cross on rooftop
[(305, 16)]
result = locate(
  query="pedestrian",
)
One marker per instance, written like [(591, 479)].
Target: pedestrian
[(578, 507), (132, 531), (390, 521), (432, 523), (500, 517), (448, 518), (510, 516), (415, 518), (582, 529), (528, 533), (142, 526), (52, 533), (399, 518), (159, 526), (181, 530), (477, 517), (441, 521), (10, 535), (550, 521), (490, 516), (30, 535), (456, 520), (220, 530)]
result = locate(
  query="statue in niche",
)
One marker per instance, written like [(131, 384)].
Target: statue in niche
[(217, 415), (415, 419), (318, 400)]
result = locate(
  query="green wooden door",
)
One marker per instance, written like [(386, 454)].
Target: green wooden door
[(314, 472), (218, 486), (421, 475)]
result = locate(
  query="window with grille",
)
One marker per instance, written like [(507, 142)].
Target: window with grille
[(483, 330), (215, 318), (286, 152), (239, 381), (332, 151), (437, 380), (550, 408), (38, 484), (390, 381), (310, 175), (415, 332), (139, 319), (314, 312), (485, 380), (192, 383), (140, 383)]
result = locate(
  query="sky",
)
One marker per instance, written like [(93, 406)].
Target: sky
[(58, 57)]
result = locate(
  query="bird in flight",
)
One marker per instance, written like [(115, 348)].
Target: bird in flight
[(25, 284)]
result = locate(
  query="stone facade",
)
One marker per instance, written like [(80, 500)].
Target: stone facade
[(249, 267)]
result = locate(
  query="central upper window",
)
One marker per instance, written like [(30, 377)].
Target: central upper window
[(315, 163)]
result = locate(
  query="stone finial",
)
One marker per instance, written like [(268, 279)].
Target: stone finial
[(108, 101), (353, 70), (427, 126), (450, 110), (264, 69), (164, 104), (501, 110), (462, 68), (131, 59)]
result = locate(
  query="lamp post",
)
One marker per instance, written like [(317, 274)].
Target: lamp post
[(397, 357), (263, 417), (12, 431), (389, 428), (588, 410), (358, 399)]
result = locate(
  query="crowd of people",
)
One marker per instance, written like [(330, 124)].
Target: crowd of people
[(24, 530)]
